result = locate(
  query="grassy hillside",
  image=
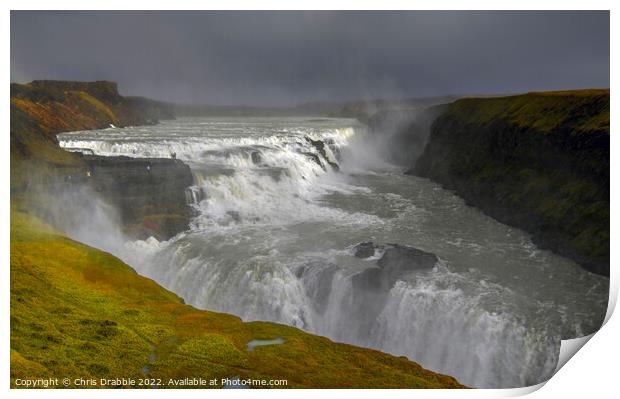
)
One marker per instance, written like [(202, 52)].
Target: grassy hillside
[(538, 161), (585, 111), (79, 312)]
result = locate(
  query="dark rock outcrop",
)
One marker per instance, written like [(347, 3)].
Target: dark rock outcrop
[(372, 286), (257, 158), (334, 147), (539, 162), (149, 193), (320, 147), (364, 249), (317, 279), (314, 158), (395, 262)]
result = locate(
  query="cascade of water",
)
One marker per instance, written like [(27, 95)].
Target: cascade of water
[(267, 244)]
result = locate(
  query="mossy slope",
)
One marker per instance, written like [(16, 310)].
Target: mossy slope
[(538, 161), (77, 312)]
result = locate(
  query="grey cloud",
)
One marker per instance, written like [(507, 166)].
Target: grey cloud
[(292, 57)]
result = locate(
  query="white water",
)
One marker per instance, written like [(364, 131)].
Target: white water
[(273, 238)]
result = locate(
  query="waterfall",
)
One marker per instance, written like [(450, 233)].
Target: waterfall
[(279, 206)]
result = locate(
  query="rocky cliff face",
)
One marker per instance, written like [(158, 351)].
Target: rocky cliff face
[(148, 193), (538, 161)]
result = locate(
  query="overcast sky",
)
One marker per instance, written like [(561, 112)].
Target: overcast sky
[(267, 58)]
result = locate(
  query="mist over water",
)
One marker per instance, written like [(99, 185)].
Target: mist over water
[(79, 212), (277, 219)]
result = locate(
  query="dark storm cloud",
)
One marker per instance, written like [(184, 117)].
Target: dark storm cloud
[(281, 57)]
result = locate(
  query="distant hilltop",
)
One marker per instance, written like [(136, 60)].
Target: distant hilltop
[(101, 89), (43, 108), (94, 104)]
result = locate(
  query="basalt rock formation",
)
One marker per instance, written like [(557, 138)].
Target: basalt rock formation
[(539, 162)]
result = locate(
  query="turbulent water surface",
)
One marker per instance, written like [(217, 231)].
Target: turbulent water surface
[(280, 204)]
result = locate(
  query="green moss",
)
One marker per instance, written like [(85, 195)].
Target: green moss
[(79, 312), (585, 110)]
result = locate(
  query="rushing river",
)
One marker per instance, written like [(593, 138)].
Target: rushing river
[(280, 205)]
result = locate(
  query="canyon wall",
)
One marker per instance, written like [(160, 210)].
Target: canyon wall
[(538, 161)]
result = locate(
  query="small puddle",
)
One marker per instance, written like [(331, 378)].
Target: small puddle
[(263, 342)]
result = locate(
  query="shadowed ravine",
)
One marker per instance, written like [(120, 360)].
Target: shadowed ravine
[(281, 206)]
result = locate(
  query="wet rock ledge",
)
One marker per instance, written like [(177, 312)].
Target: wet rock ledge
[(149, 193)]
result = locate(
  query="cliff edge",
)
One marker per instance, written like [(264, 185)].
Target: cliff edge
[(538, 161), (43, 108)]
